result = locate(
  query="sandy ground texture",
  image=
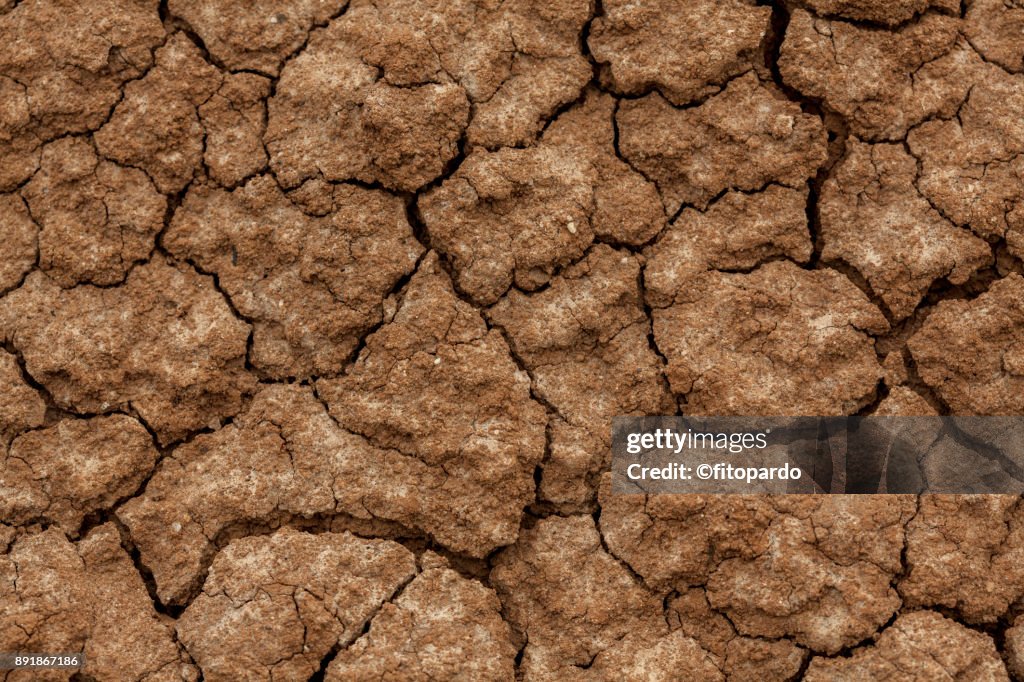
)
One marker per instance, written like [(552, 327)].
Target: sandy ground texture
[(314, 314)]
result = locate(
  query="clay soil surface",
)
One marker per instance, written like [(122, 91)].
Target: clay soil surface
[(314, 315)]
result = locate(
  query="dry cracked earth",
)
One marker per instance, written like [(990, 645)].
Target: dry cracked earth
[(314, 315)]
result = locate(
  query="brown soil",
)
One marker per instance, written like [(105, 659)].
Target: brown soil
[(314, 315)]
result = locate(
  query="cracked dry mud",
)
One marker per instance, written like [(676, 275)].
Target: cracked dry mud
[(313, 316)]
